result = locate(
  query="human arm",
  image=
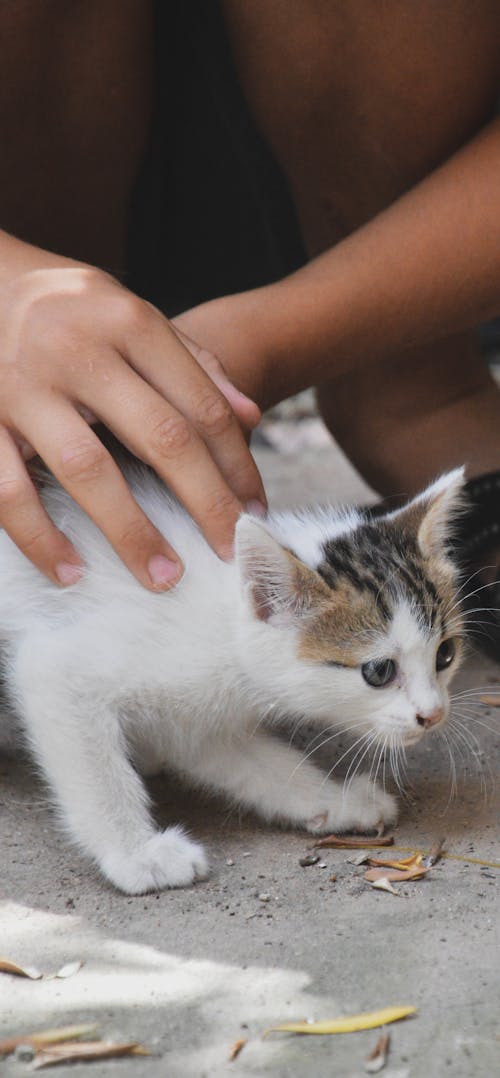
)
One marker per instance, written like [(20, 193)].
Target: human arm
[(426, 267)]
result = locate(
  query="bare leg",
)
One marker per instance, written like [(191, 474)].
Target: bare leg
[(359, 102), (403, 421)]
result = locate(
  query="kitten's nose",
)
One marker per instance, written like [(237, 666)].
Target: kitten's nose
[(431, 719)]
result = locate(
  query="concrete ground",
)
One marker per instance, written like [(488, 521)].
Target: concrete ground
[(188, 972)]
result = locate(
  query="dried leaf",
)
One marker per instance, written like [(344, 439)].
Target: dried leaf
[(85, 1051), (7, 966), (378, 1055), (69, 969), (359, 859), (435, 852), (236, 1049), (383, 884), (352, 1024), (490, 699), (405, 863), (354, 842), (394, 874), (45, 1037), (457, 857)]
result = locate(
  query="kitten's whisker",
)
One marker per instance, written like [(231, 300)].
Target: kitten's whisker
[(476, 751), (371, 738), (453, 770), (476, 692), (344, 754), (336, 733), (472, 716), (463, 598)]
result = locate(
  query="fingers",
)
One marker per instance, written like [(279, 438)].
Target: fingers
[(153, 350), (26, 522), (245, 409), (165, 439), (87, 471)]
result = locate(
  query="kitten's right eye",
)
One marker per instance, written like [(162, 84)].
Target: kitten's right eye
[(379, 672)]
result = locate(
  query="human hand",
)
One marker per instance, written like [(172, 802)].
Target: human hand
[(74, 341), (243, 331)]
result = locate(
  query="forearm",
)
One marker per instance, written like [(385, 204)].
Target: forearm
[(426, 267)]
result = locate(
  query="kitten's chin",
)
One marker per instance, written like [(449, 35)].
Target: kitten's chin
[(412, 737)]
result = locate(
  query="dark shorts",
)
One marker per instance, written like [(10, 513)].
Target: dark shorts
[(211, 211)]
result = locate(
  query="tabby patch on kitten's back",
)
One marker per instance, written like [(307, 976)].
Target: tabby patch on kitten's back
[(335, 616)]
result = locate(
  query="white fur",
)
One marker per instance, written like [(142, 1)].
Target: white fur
[(105, 673)]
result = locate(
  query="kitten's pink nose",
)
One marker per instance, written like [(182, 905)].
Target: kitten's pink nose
[(431, 719)]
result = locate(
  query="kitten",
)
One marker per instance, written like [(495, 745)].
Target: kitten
[(327, 614)]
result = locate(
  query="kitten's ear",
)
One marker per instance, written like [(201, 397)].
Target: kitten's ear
[(281, 588), (437, 509)]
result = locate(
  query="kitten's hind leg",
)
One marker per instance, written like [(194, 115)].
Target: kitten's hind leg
[(77, 739), (272, 778)]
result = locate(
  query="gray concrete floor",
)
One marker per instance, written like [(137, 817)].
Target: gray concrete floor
[(189, 972)]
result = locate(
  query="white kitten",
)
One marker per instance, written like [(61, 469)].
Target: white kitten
[(325, 614)]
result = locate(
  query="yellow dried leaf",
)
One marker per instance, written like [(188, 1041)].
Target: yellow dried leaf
[(45, 1037), (490, 699), (405, 863), (7, 966), (394, 874), (85, 1051), (352, 1024)]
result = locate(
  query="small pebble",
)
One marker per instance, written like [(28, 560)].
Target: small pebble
[(229, 861), (264, 897), (309, 859)]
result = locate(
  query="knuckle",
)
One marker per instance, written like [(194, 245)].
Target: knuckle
[(171, 436), (13, 491), (213, 415), (243, 475), (210, 363), (84, 461), (136, 535), (130, 312), (222, 507), (35, 540)]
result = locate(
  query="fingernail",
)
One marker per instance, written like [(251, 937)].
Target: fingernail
[(256, 508), (164, 572), (67, 573)]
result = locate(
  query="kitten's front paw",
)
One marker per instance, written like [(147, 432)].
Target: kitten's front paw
[(360, 805), (168, 859)]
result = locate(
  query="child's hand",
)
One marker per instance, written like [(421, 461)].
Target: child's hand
[(74, 344)]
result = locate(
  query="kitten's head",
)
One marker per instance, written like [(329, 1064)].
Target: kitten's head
[(353, 617)]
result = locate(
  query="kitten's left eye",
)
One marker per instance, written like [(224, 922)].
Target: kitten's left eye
[(445, 654), (379, 672)]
